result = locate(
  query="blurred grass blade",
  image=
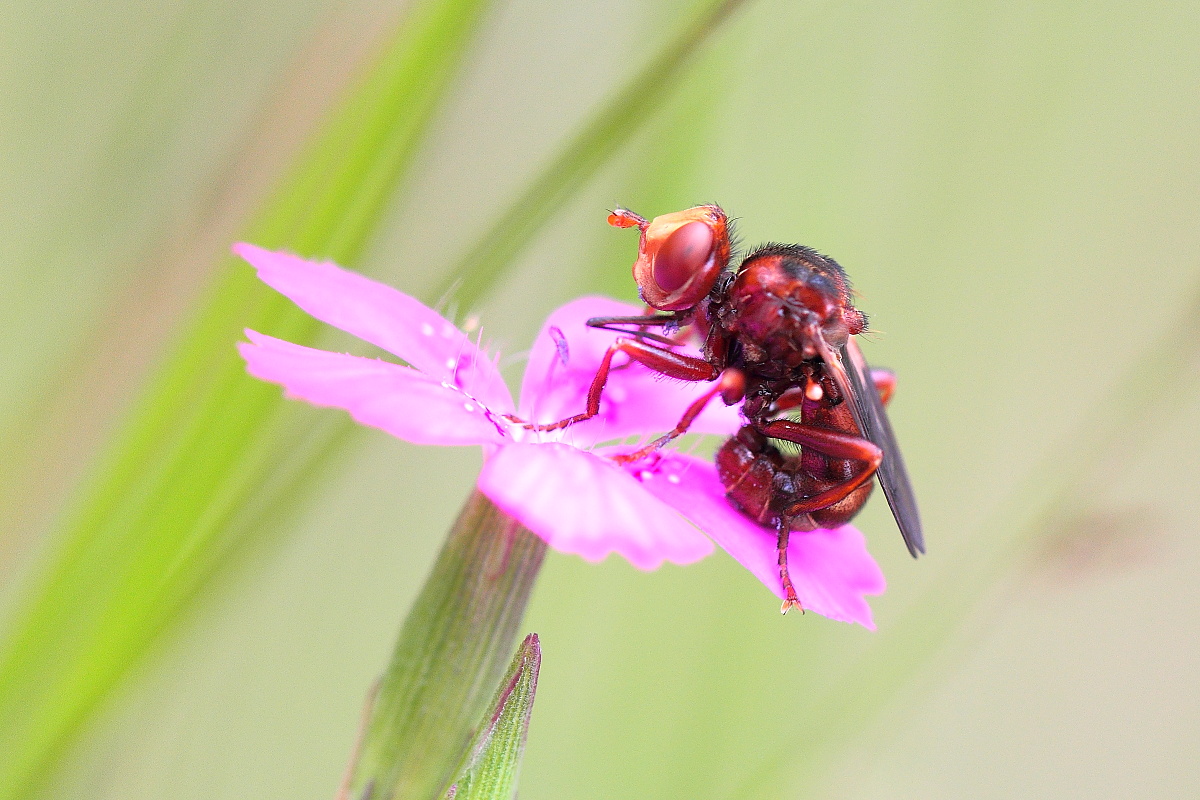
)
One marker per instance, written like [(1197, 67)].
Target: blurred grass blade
[(666, 172), (495, 762), (148, 530), (204, 439), (630, 108), (449, 658)]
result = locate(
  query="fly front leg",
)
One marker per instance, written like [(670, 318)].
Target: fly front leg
[(731, 386), (659, 359), (621, 325)]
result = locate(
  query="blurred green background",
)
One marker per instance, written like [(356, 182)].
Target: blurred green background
[(1013, 188)]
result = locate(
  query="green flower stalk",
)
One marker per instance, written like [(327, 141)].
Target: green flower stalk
[(450, 655)]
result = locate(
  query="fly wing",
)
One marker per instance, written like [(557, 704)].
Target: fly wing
[(872, 419)]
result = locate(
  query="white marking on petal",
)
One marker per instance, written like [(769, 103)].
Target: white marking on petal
[(468, 407), (427, 329)]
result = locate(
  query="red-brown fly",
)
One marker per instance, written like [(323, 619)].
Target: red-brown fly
[(778, 334)]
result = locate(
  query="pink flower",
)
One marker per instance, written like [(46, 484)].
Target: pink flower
[(553, 482)]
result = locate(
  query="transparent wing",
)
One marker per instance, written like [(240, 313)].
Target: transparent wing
[(872, 419)]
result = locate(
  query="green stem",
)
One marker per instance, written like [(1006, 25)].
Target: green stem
[(452, 652)]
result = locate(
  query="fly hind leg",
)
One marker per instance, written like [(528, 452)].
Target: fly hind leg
[(885, 383), (790, 600), (831, 443)]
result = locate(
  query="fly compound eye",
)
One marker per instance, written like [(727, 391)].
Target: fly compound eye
[(682, 256)]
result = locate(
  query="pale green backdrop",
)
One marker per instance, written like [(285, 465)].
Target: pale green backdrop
[(1014, 189)]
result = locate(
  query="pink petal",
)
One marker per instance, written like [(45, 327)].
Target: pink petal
[(385, 317), (636, 400), (831, 569), (396, 399), (582, 504)]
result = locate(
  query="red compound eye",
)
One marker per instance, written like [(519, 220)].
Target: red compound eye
[(680, 255), (685, 253)]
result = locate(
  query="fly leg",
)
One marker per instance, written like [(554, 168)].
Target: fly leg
[(834, 444), (731, 385), (885, 383), (790, 600), (659, 359), (641, 322)]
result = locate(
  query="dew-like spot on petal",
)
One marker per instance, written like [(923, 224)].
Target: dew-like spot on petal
[(400, 400), (380, 315), (468, 407)]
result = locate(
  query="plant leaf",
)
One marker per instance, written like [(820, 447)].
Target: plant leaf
[(450, 654), (495, 761)]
